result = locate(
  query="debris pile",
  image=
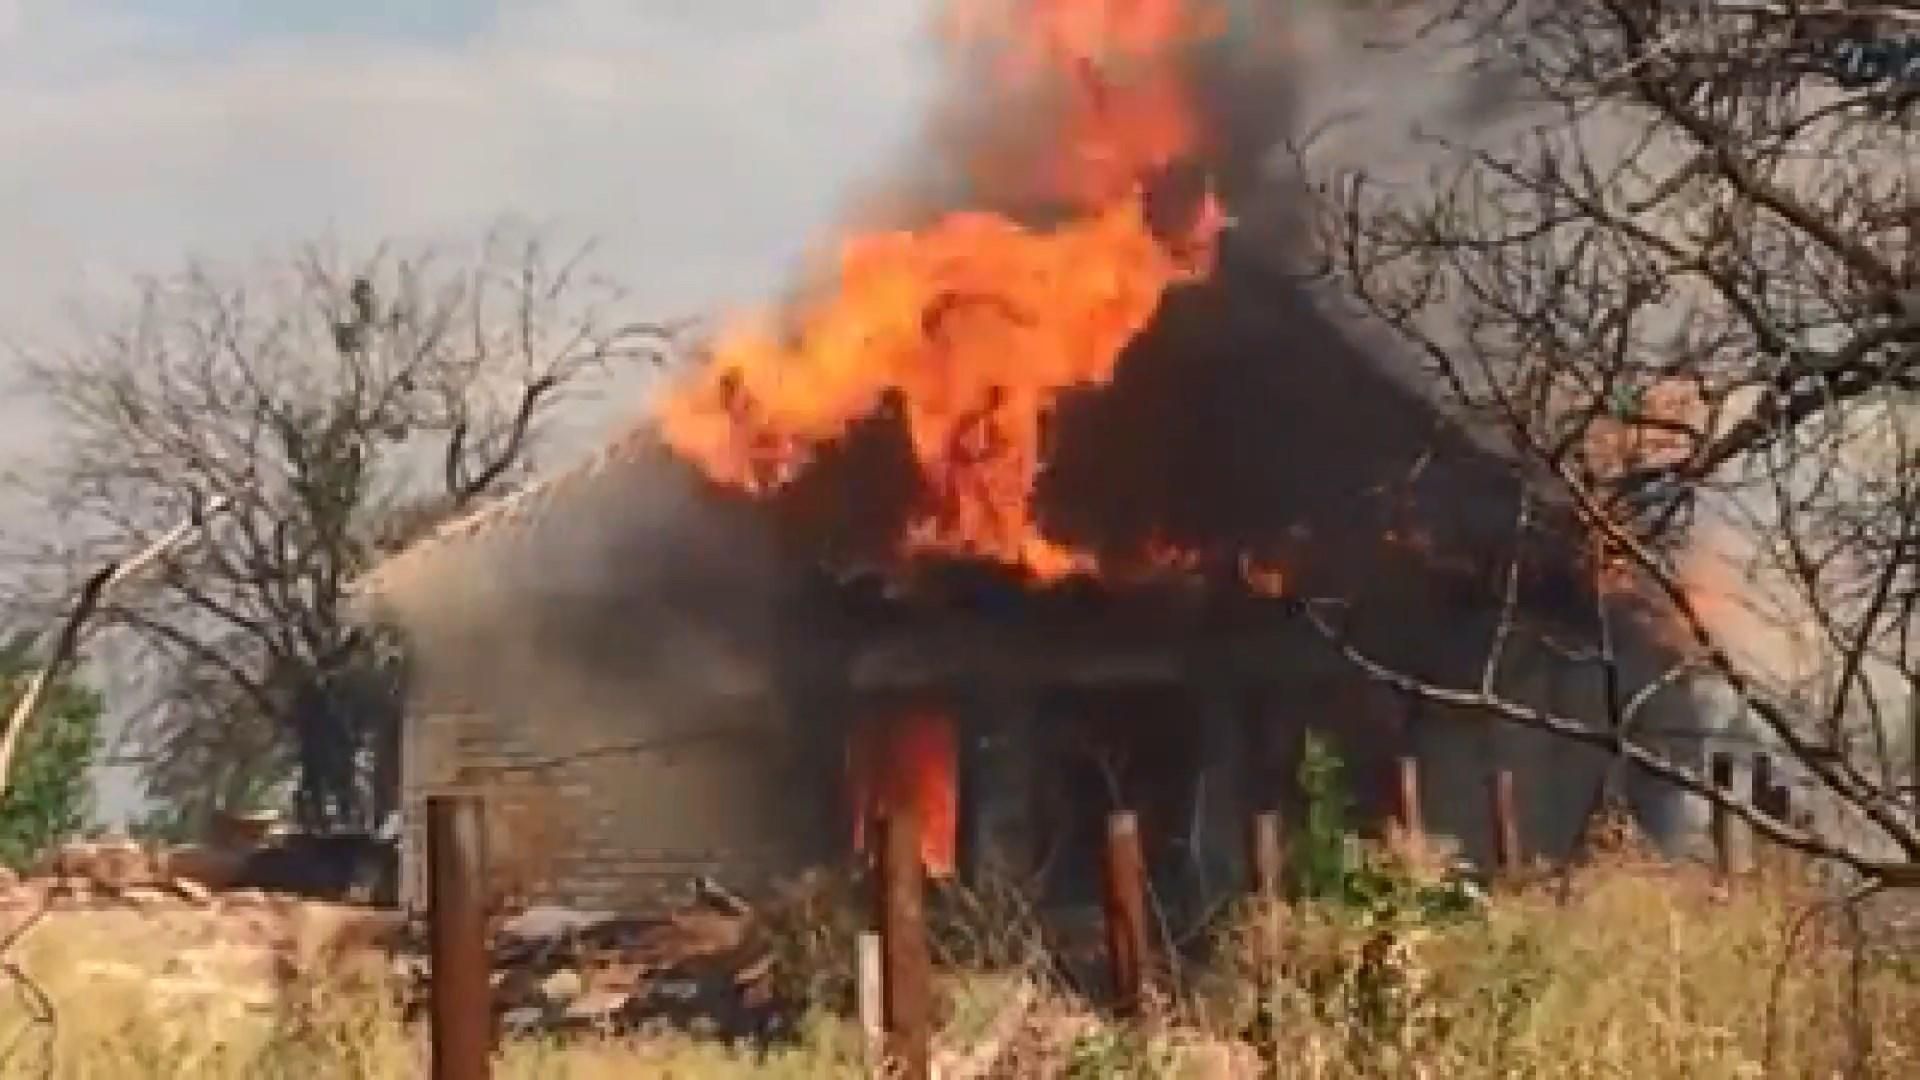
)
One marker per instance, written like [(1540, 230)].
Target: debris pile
[(354, 869), (706, 969), (86, 873), (83, 872)]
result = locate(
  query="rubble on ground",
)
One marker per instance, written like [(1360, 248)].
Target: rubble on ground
[(194, 961), (118, 871), (704, 969), (352, 868)]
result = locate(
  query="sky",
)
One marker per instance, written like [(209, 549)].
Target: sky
[(703, 143)]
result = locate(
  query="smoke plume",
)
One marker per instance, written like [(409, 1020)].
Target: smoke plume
[(1246, 417), (1244, 420)]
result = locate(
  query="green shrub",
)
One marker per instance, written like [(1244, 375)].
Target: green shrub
[(48, 792)]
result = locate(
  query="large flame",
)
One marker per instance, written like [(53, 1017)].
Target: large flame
[(909, 760), (1116, 63), (976, 324)]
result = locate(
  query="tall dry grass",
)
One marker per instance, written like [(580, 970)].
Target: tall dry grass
[(1636, 971), (1625, 968), (1639, 972)]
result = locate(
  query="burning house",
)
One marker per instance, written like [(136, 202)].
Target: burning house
[(1060, 495)]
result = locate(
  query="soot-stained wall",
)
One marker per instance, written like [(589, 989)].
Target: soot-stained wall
[(647, 694)]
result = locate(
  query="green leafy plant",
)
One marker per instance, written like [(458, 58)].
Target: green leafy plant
[(1116, 1050), (1320, 855), (1331, 865), (48, 793), (1386, 892)]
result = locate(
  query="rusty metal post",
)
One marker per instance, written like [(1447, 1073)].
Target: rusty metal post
[(461, 1005), (907, 982), (1507, 854), (1408, 800), (1126, 903)]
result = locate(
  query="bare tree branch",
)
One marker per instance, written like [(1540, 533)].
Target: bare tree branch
[(1890, 873), (1687, 293), (335, 405)]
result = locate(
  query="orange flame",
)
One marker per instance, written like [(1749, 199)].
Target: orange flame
[(1262, 579), (909, 760), (1127, 112), (978, 323), (1165, 557)]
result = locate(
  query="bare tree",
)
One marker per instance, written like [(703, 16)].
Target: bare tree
[(333, 408), (1682, 282)]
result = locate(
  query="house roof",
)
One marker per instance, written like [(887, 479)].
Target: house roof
[(1267, 419), (512, 515)]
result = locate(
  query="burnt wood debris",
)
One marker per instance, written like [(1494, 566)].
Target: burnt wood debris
[(700, 969)]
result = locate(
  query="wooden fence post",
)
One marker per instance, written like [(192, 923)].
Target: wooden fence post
[(1775, 862), (1760, 797), (868, 994), (1268, 861), (1268, 858), (1408, 802), (1508, 857), (1126, 903), (1760, 781), (907, 978), (1802, 864), (461, 999), (1732, 851)]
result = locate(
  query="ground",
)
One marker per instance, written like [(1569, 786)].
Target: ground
[(1620, 970)]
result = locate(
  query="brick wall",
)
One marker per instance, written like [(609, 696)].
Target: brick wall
[(603, 828)]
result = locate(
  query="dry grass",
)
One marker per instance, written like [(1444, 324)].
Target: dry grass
[(1641, 973), (1639, 970)]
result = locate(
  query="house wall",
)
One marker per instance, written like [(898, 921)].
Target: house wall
[(605, 790), (604, 797), (622, 830), (610, 790), (641, 701), (604, 676)]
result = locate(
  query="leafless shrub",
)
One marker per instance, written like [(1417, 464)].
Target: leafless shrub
[(333, 408), (1680, 282)]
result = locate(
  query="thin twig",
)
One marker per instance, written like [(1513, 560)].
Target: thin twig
[(39, 1007), (1890, 873)]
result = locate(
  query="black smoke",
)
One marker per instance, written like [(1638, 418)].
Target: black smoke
[(1246, 418)]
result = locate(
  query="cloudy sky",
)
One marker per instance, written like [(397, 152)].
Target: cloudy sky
[(703, 141)]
